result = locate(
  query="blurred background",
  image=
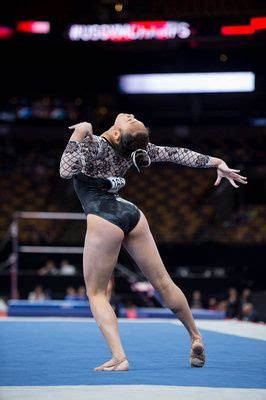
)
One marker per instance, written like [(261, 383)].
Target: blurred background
[(69, 61)]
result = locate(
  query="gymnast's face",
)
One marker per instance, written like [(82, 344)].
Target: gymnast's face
[(131, 134), (128, 122)]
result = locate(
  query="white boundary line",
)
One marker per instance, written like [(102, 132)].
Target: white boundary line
[(130, 392), (229, 327), (234, 327)]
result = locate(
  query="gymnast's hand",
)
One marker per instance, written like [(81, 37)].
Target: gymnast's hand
[(223, 171), (82, 130)]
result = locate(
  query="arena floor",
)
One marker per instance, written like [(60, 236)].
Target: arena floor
[(52, 358)]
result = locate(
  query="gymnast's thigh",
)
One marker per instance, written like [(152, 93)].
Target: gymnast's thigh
[(142, 247), (101, 248)]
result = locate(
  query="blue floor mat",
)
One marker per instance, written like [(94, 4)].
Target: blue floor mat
[(64, 353)]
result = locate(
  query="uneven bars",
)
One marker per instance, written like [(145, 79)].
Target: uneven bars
[(51, 249), (16, 249), (49, 215)]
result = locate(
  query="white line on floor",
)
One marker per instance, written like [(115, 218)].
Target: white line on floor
[(130, 392), (234, 327), (231, 327)]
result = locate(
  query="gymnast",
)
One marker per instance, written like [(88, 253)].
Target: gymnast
[(98, 165)]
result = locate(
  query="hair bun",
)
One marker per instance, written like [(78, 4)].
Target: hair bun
[(140, 158)]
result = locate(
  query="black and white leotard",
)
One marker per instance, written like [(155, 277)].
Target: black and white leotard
[(92, 161)]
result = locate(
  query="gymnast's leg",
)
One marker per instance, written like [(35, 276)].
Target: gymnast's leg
[(102, 244), (141, 246)]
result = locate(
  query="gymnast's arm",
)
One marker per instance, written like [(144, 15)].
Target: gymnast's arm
[(193, 159), (72, 159)]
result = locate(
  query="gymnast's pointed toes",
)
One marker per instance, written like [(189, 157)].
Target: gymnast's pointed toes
[(122, 365)]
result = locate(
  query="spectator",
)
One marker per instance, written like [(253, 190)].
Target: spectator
[(212, 304), (66, 268), (48, 269), (246, 296), (196, 301), (222, 306), (232, 303), (248, 313), (81, 295), (71, 293), (37, 294)]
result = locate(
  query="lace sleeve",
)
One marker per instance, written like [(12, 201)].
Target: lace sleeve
[(178, 155), (76, 155)]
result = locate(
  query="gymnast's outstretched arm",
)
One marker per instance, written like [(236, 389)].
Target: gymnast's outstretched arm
[(81, 142), (193, 159)]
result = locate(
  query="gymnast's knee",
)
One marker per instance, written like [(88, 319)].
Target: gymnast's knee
[(95, 293)]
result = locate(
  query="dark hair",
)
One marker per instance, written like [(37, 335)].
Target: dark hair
[(130, 143)]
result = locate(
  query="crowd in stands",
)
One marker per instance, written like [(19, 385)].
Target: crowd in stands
[(54, 108), (39, 294), (50, 268), (44, 108), (235, 305)]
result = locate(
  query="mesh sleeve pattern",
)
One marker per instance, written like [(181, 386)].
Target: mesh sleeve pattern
[(70, 163), (76, 155), (178, 155)]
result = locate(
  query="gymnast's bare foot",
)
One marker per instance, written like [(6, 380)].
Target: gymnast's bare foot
[(114, 365), (197, 354)]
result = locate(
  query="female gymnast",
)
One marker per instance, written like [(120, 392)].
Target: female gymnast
[(97, 165)]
